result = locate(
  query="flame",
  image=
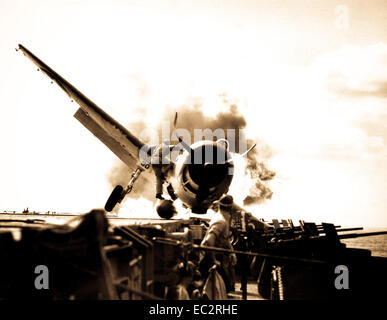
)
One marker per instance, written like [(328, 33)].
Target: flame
[(250, 184)]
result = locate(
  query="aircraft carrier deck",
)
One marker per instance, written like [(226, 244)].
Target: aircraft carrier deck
[(99, 256)]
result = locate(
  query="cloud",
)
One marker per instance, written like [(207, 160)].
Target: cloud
[(354, 88), (373, 89), (356, 71), (327, 127)]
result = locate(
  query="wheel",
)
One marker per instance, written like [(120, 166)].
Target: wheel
[(114, 198)]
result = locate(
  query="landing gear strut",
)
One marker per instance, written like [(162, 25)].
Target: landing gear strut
[(119, 193)]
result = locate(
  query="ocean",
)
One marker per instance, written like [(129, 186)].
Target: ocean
[(377, 244)]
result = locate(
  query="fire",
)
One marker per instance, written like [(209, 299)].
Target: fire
[(250, 184)]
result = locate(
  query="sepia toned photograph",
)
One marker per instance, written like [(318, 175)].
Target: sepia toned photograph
[(193, 150)]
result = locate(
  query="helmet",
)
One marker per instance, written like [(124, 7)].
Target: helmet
[(166, 209), (226, 201)]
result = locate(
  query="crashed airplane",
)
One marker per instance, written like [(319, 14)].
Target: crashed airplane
[(198, 176), (140, 259)]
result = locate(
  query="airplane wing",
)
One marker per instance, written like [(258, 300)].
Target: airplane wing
[(116, 137)]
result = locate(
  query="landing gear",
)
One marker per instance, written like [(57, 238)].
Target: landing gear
[(119, 193), (115, 197)]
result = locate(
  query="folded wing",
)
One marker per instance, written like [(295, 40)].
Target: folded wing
[(116, 137)]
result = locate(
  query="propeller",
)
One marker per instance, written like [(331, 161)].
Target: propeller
[(175, 121), (189, 150), (243, 154), (181, 141)]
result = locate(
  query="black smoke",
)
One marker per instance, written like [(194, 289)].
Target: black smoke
[(192, 116)]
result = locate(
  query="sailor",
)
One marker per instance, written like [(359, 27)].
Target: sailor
[(183, 273), (218, 235), (161, 165)]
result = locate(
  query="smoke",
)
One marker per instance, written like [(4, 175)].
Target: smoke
[(259, 174), (144, 187), (192, 115), (120, 175), (256, 175), (259, 191)]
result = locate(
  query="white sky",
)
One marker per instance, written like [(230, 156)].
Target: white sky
[(312, 80)]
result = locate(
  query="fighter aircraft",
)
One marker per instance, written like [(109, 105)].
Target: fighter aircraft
[(199, 175)]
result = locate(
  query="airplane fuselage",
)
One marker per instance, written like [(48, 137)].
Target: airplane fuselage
[(203, 175)]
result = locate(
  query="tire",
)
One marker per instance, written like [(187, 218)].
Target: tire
[(114, 198)]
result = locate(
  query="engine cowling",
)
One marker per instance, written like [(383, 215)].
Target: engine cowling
[(203, 175)]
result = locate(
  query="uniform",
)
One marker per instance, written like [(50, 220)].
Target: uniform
[(218, 235), (161, 165)]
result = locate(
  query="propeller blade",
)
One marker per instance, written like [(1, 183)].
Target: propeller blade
[(175, 121), (186, 146), (243, 154), (251, 148)]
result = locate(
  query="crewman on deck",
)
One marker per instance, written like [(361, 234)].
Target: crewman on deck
[(161, 165), (184, 275), (218, 235)]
